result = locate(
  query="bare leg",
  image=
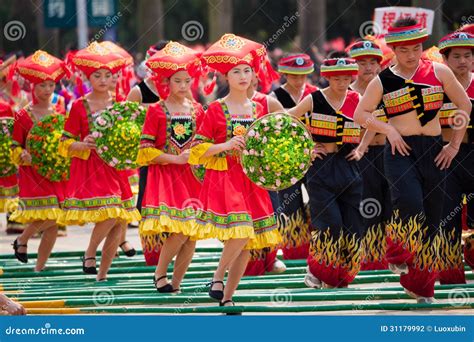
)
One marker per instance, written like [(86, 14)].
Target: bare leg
[(48, 239), (236, 272), (123, 237), (31, 230), (230, 252), (100, 232), (170, 248), (108, 250), (182, 262)]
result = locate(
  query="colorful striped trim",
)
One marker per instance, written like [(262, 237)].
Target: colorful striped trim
[(365, 52), (38, 203), (93, 203), (148, 137), (295, 70), (453, 43), (348, 69), (236, 219), (184, 214), (406, 36)]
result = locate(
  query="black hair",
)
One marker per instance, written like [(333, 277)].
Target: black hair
[(404, 22), (338, 54), (160, 44), (446, 52)]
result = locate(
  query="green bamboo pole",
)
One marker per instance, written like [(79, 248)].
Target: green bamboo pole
[(193, 270), (119, 264), (77, 269), (295, 286), (81, 253), (186, 285), (267, 309), (15, 266), (276, 297), (129, 283), (298, 282), (206, 276), (149, 296)]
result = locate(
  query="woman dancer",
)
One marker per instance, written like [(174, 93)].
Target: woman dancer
[(233, 208)]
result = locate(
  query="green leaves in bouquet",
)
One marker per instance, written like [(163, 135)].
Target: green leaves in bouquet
[(278, 151), (117, 131), (7, 168), (43, 143)]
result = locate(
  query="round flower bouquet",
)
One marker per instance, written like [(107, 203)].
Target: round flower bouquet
[(42, 143), (277, 153), (7, 168), (117, 132)]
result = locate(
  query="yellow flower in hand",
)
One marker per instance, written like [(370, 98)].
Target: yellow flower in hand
[(239, 130)]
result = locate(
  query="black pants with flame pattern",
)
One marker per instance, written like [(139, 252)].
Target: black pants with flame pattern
[(376, 209), (417, 192), (334, 187), (459, 183)]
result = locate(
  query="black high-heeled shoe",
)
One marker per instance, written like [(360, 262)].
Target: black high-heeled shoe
[(130, 252), (216, 294), (90, 269), (168, 288), (22, 257), (233, 304)]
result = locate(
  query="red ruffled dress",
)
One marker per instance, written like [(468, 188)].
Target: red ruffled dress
[(232, 206), (8, 178), (96, 191), (40, 198), (172, 191)]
